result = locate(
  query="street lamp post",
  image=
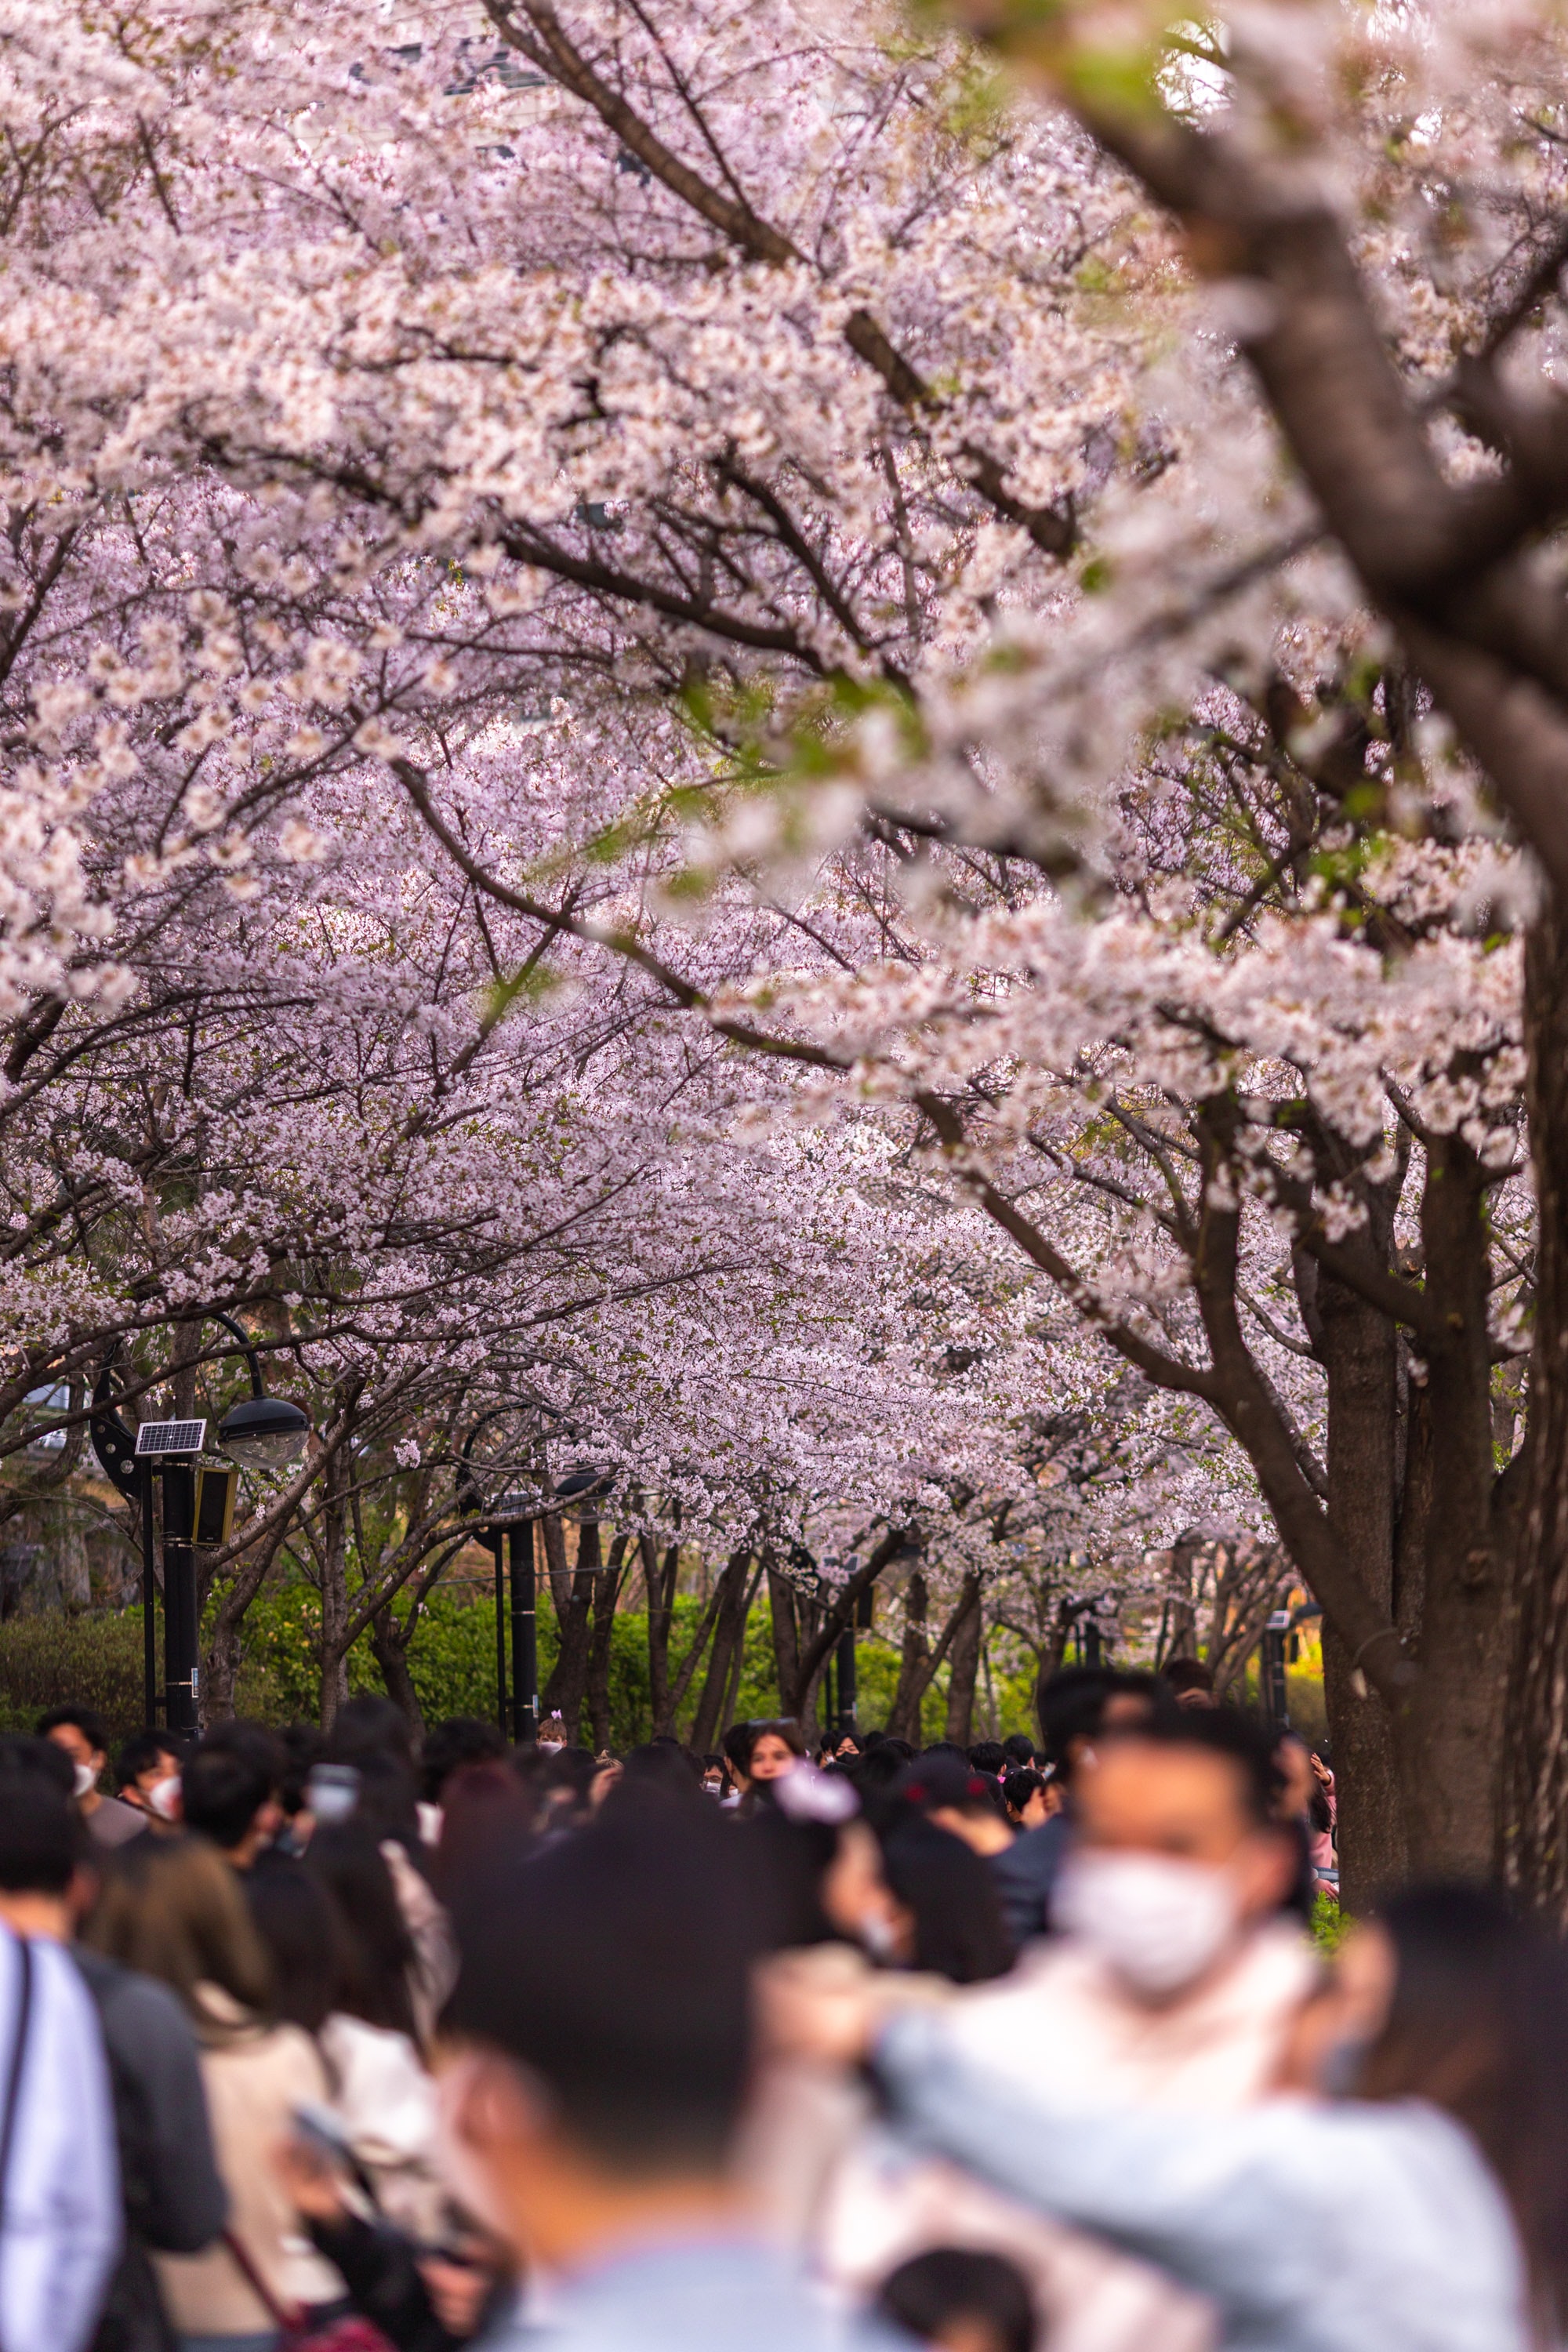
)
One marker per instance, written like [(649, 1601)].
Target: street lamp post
[(507, 1532), (264, 1433)]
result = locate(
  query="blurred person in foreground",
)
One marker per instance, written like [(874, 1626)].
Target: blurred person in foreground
[(1425, 2212), (917, 1900), (1174, 1975), (961, 2299), (60, 2217), (173, 2200), (596, 2083)]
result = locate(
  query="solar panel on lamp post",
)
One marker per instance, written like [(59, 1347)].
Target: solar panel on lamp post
[(262, 1431)]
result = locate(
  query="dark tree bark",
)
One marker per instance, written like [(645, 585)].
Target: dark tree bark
[(785, 1630), (1452, 1732), (568, 1684), (1534, 1813), (1360, 1350), (388, 1642), (965, 1672), (904, 1720), (728, 1625), (660, 1574), (607, 1594)]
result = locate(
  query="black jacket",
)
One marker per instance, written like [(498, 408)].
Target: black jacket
[(1026, 1876), (175, 2198)]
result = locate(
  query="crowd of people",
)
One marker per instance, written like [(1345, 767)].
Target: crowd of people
[(357, 2043)]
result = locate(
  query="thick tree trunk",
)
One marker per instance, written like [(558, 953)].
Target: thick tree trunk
[(904, 1719), (1360, 1352), (389, 1640), (606, 1594), (1534, 1814), (728, 1626), (964, 1652), (660, 1575), (785, 1624), (738, 1662), (1451, 1738), (568, 1684)]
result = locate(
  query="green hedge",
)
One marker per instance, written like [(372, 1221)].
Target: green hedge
[(98, 1661)]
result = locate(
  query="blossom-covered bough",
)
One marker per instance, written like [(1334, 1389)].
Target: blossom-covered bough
[(670, 688)]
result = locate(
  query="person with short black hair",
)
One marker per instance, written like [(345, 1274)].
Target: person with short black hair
[(990, 1756), (1031, 1799), (1076, 1705), (961, 2299), (147, 1777), (1426, 2210), (228, 1790), (1019, 1750), (600, 2076), (460, 1740), (80, 1733)]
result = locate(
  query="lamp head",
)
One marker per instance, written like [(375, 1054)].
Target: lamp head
[(264, 1433)]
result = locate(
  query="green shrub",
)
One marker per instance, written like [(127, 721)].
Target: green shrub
[(97, 1660)]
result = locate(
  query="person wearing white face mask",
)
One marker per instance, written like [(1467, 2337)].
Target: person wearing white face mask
[(80, 1731), (1173, 1977), (147, 1777)]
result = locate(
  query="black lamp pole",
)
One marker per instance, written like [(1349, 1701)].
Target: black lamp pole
[(264, 1430), (524, 1630)]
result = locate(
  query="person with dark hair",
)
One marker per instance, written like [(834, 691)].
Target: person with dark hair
[(965, 1801), (228, 1790), (172, 2198), (1031, 1799), (1075, 1706), (60, 2204), (381, 1962), (1019, 1750), (736, 1745), (385, 1810), (147, 1777), (79, 1732), (1191, 1681), (460, 1740), (762, 1750), (954, 1924), (371, 1725), (662, 1766), (176, 1909), (381, 2091), (961, 2299), (303, 1749), (602, 2073), (989, 1755)]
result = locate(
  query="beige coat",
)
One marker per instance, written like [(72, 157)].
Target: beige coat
[(254, 2076)]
